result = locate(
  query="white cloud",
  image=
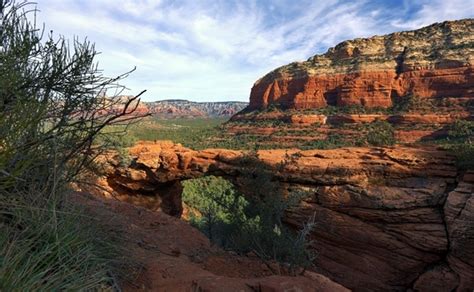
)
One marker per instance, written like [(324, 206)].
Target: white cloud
[(216, 49), (436, 11)]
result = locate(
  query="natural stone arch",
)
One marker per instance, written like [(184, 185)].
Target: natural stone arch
[(367, 201), (153, 178)]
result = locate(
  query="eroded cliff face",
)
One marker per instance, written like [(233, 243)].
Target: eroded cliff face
[(432, 62), (388, 218)]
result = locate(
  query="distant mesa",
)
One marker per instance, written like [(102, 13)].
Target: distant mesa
[(432, 62)]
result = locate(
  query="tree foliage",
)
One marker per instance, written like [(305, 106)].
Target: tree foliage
[(459, 142), (412, 103), (218, 204), (253, 222), (381, 133), (461, 129)]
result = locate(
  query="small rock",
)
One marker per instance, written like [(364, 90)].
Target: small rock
[(175, 251)]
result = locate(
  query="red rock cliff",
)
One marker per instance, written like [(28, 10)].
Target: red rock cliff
[(432, 62), (389, 219)]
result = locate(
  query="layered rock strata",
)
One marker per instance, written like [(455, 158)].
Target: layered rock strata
[(432, 62), (388, 218)]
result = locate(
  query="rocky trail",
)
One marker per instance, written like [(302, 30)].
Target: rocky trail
[(167, 254)]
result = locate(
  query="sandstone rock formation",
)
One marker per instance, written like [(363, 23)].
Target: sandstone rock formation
[(388, 218), (419, 81), (431, 62), (170, 255)]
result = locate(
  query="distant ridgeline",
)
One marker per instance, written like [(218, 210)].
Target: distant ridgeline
[(180, 108)]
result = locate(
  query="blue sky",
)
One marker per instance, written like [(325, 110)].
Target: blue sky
[(215, 50)]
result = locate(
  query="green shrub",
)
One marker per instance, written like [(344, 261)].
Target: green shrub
[(274, 107), (218, 204), (380, 133), (459, 143), (52, 109), (51, 102), (332, 141), (461, 129), (55, 251), (464, 153), (412, 103), (250, 223)]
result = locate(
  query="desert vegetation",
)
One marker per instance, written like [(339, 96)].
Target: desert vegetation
[(197, 132), (73, 214), (214, 132), (201, 134), (409, 103), (252, 223), (380, 133), (53, 112), (459, 141), (412, 103)]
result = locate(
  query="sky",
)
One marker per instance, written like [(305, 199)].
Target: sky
[(215, 50)]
